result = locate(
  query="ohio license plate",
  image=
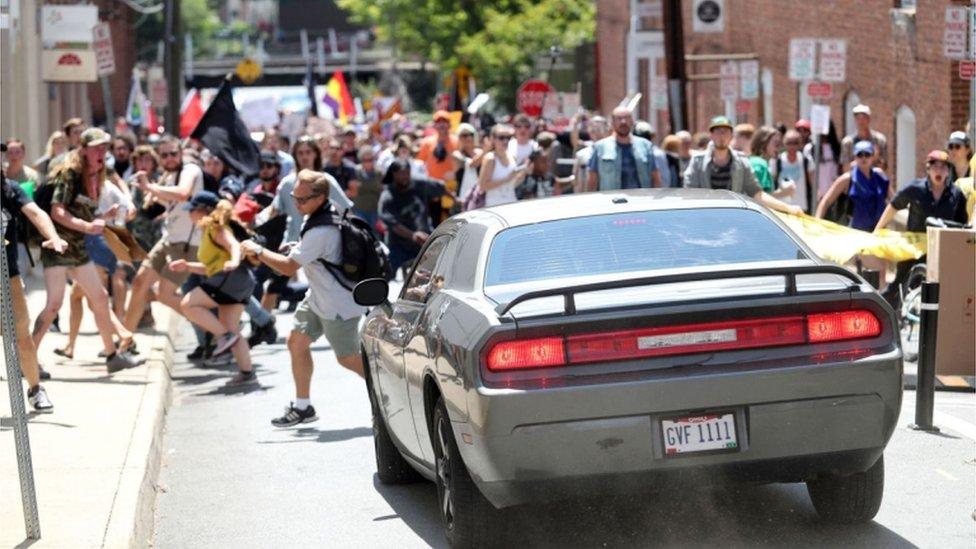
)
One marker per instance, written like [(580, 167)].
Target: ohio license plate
[(701, 433)]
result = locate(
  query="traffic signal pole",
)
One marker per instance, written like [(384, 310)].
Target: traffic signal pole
[(674, 54), (172, 58)]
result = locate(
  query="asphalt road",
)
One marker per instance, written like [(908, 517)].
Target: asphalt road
[(230, 479)]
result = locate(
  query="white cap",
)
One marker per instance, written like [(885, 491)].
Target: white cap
[(861, 108)]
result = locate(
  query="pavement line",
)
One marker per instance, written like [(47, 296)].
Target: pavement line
[(960, 426), (945, 474)]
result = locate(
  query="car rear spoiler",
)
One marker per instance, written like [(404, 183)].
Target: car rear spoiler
[(789, 270)]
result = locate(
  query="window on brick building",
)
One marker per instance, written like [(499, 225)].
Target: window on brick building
[(905, 145)]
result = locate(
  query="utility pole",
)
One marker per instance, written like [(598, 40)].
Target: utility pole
[(674, 54), (172, 57)]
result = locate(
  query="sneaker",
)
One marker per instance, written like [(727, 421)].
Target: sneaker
[(242, 378), (224, 343), (43, 374), (293, 416), (38, 399), (120, 361), (262, 334), (201, 352), (219, 361)]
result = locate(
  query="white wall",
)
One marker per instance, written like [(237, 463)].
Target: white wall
[(905, 141)]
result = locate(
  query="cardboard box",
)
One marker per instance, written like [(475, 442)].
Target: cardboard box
[(952, 263)]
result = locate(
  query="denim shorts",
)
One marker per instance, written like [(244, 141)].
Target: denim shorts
[(100, 254)]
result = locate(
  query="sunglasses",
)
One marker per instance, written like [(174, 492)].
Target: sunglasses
[(172, 154), (955, 146), (304, 199), (503, 137), (863, 155)]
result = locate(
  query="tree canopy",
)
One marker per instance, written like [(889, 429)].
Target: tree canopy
[(499, 40)]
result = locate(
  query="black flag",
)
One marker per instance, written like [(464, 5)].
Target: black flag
[(223, 132)]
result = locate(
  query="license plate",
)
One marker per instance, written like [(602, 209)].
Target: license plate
[(701, 433)]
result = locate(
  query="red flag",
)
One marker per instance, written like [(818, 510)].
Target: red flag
[(152, 122), (190, 113)]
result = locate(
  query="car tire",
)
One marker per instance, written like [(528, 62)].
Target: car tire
[(849, 499), (391, 468), (465, 513)]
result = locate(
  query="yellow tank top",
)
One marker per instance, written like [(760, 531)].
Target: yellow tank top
[(210, 254)]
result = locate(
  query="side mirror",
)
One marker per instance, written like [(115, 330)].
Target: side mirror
[(371, 292)]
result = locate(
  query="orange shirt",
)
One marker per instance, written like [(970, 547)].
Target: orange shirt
[(443, 169)]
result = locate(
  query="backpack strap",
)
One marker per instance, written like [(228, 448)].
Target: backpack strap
[(335, 271)]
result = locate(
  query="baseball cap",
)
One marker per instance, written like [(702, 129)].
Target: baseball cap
[(958, 138), (720, 122), (936, 156), (92, 137), (466, 129), (861, 108), (442, 115), (863, 146), (202, 200), (802, 124), (230, 188), (269, 157)]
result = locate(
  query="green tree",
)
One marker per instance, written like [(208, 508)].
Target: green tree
[(498, 39)]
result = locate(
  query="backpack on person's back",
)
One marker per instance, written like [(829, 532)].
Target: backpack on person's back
[(362, 255)]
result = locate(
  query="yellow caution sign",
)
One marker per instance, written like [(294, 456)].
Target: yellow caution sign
[(248, 70), (839, 244)]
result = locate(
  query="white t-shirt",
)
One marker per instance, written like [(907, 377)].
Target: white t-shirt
[(110, 196), (468, 180), (521, 152), (177, 226), (503, 194), (326, 297), (794, 171)]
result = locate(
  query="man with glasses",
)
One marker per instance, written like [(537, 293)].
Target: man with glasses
[(623, 160), (328, 308), (180, 237)]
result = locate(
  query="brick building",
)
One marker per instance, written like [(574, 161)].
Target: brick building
[(895, 64)]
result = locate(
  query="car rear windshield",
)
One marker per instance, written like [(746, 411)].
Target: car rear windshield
[(638, 241)]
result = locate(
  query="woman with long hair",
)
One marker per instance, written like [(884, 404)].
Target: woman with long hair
[(228, 283), (57, 144), (499, 173), (765, 146), (78, 183)]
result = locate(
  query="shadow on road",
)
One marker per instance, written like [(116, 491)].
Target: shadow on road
[(311, 434), (749, 516)]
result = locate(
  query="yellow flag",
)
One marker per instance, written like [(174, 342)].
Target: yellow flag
[(839, 244)]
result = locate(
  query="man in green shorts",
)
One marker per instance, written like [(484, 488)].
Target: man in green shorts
[(328, 309)]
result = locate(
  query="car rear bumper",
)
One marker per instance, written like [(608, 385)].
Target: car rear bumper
[(794, 423)]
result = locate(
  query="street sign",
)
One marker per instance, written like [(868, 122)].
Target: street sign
[(248, 70), (967, 70), (104, 53), (819, 89), (743, 106), (749, 79), (729, 83), (708, 16), (66, 27), (803, 59), (158, 89), (833, 60), (68, 66), (530, 96), (956, 32)]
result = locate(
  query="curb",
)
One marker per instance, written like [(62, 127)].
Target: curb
[(131, 521)]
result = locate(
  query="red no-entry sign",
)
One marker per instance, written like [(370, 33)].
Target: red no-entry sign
[(819, 89), (530, 96)]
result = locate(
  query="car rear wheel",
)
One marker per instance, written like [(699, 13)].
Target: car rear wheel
[(391, 468), (849, 499), (465, 514)]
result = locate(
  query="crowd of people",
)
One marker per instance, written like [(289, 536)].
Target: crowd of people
[(122, 220)]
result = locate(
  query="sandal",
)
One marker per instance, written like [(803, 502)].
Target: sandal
[(127, 345), (65, 354)]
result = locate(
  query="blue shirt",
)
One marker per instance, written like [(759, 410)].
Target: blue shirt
[(869, 196), (628, 166)]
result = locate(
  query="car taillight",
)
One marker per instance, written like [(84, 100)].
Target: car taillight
[(843, 325), (527, 353), (682, 340)]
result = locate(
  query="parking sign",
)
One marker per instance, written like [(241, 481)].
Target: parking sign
[(803, 59)]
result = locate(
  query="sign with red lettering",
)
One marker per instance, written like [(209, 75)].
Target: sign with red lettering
[(956, 32), (967, 70), (530, 96), (819, 89)]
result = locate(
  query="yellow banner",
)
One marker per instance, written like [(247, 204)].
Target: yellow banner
[(839, 244)]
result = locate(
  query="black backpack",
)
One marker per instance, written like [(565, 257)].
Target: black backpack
[(363, 256)]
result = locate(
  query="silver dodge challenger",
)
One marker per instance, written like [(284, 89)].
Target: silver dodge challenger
[(603, 343)]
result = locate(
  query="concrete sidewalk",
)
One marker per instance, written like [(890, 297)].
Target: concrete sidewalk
[(96, 458)]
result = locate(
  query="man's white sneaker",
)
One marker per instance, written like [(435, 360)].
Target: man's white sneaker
[(38, 399)]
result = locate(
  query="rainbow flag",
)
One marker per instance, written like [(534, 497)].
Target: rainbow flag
[(338, 99)]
